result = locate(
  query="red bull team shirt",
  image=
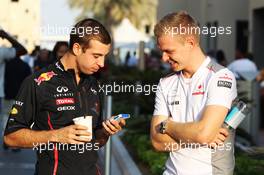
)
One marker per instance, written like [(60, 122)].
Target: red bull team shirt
[(50, 99)]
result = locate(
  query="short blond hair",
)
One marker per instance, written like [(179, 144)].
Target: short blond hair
[(177, 20)]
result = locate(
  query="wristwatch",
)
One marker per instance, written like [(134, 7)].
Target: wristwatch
[(163, 126)]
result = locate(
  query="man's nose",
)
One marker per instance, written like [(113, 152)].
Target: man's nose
[(165, 57), (101, 62)]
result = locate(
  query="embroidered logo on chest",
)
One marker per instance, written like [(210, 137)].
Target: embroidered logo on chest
[(199, 90)]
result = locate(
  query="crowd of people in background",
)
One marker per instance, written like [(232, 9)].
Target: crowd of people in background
[(16, 64), (40, 58), (152, 60), (22, 66), (242, 65)]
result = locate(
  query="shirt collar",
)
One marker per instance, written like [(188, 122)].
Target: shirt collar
[(198, 72)]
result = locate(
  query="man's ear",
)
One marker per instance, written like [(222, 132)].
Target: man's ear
[(77, 49), (190, 41)]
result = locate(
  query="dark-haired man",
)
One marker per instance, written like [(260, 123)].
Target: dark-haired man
[(42, 116)]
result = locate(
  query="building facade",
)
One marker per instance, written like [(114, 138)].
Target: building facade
[(256, 28), (232, 16), (21, 18)]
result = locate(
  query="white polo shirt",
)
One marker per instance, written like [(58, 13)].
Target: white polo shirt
[(184, 100)]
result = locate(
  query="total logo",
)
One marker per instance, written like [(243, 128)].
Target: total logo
[(63, 101), (66, 108), (61, 89)]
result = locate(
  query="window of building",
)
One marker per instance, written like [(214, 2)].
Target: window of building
[(147, 29)]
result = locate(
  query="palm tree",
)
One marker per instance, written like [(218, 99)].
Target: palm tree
[(112, 12)]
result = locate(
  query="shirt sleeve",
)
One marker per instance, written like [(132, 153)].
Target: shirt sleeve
[(161, 106), (23, 110), (7, 53), (222, 89)]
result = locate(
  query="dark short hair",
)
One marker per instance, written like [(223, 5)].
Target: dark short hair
[(86, 30)]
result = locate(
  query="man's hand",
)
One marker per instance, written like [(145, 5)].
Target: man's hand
[(3, 34), (72, 134), (161, 142), (112, 126), (20, 49), (219, 138)]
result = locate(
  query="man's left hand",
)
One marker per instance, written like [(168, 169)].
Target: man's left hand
[(112, 126)]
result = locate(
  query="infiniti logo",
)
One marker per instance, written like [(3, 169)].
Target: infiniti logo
[(62, 89)]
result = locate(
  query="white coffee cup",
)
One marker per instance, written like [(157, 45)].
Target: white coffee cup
[(85, 121)]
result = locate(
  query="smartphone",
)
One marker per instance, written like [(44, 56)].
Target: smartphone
[(123, 116)]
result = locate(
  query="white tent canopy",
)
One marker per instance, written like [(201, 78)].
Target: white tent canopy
[(126, 33)]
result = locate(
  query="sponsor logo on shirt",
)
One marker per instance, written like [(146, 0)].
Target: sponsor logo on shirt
[(44, 77), (11, 119), (93, 91), (175, 103), (69, 94), (58, 66), (66, 108), (19, 103), (63, 101), (225, 77), (61, 89), (226, 84), (199, 90), (14, 111)]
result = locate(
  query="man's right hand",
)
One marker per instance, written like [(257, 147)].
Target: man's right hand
[(220, 137), (3, 34), (71, 135)]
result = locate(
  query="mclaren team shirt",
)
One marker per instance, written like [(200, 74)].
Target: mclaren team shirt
[(50, 99), (184, 100)]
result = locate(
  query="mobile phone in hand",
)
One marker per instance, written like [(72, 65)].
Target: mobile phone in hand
[(123, 116)]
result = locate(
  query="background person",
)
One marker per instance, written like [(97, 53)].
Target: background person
[(242, 65), (60, 48), (7, 53)]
